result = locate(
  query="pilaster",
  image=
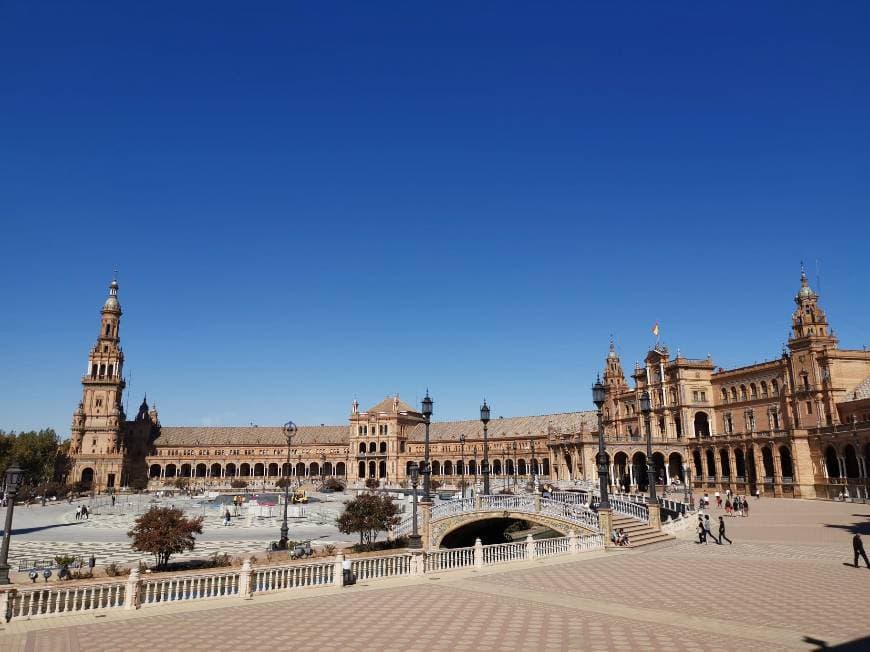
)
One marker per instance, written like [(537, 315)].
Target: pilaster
[(605, 524)]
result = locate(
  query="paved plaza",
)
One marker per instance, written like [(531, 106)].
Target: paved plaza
[(782, 585)]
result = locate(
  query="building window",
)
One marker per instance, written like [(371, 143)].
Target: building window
[(703, 396), (695, 396), (774, 386), (809, 407)]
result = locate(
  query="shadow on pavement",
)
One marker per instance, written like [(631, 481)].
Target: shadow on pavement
[(27, 530), (861, 527), (857, 644)]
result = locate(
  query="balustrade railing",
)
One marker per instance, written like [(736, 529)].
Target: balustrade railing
[(628, 508), (369, 568), (504, 552), (248, 581), (59, 600), (190, 587), (441, 560), (276, 578), (455, 506)]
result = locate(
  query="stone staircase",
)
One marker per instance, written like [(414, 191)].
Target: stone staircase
[(639, 533)]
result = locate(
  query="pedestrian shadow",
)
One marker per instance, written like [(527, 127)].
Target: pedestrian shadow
[(859, 528), (850, 646)]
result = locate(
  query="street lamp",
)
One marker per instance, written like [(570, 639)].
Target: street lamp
[(414, 539), (484, 417), (14, 475), (534, 465), (601, 459), (289, 429), (645, 409), (462, 468), (322, 469), (427, 468)]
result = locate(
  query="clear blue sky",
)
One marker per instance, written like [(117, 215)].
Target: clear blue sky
[(309, 202)]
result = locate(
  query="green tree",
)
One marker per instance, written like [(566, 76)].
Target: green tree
[(368, 514), (39, 453), (163, 532)]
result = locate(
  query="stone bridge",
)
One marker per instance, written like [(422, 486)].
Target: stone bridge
[(438, 521)]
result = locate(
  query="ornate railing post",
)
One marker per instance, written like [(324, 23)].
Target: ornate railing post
[(478, 554), (478, 502), (537, 503), (426, 524), (338, 571), (530, 547), (133, 590), (655, 515), (7, 599), (246, 585), (573, 544), (418, 562)]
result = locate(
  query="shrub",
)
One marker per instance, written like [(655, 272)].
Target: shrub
[(65, 560), (284, 482), (238, 484), (329, 549), (372, 483), (401, 542), (220, 560), (113, 570)]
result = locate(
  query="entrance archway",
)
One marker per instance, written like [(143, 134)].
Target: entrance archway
[(87, 477), (831, 464), (785, 463), (638, 463), (621, 476), (851, 458), (675, 466)]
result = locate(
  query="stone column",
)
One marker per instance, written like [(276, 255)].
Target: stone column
[(605, 524), (777, 469), (426, 524), (132, 590), (655, 516), (338, 570), (573, 543), (246, 585), (478, 554), (802, 461)]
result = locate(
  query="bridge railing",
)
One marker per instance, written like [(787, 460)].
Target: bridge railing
[(248, 581), (628, 508)]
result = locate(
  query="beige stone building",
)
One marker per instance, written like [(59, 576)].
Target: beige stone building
[(796, 425)]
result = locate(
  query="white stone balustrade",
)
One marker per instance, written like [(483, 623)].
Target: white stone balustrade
[(247, 582)]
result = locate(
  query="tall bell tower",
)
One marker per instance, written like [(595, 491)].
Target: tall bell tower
[(96, 443)]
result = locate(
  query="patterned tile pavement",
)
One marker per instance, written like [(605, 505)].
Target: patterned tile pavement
[(781, 586)]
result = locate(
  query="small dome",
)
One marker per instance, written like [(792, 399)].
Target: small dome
[(806, 290), (112, 300), (611, 355)]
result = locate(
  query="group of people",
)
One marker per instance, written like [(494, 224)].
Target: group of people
[(705, 530), (734, 505), (619, 537), (82, 513)]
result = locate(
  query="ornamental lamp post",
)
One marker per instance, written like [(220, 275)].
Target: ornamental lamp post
[(14, 475), (427, 467), (462, 468), (601, 459), (645, 409), (484, 418), (289, 429), (414, 539)]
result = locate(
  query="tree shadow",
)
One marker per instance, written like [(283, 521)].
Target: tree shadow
[(28, 530)]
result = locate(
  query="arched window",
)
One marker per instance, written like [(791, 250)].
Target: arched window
[(111, 369), (764, 389), (785, 463), (362, 469), (108, 329), (743, 392), (724, 395), (373, 447), (383, 447), (733, 393), (362, 447), (753, 391), (774, 386)]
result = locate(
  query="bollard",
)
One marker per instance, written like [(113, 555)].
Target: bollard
[(478, 554), (530, 547), (246, 585)]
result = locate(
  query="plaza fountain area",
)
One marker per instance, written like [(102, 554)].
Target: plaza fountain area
[(42, 533)]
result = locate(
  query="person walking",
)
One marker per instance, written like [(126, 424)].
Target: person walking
[(702, 532), (722, 532), (718, 497), (727, 507), (745, 504), (858, 548), (86, 513), (113, 501), (79, 513), (709, 531)]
